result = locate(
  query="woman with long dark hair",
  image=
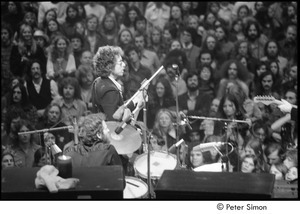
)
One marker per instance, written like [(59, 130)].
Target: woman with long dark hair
[(160, 96)]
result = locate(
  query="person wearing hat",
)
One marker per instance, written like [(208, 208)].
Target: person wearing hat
[(41, 39)]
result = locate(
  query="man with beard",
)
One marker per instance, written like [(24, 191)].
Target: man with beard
[(272, 54), (266, 85), (256, 39), (288, 45), (192, 102), (40, 90)]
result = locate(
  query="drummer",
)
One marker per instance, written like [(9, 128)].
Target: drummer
[(93, 148)]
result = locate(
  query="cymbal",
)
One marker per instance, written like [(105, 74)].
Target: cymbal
[(127, 142)]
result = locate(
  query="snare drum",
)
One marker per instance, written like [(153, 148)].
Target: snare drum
[(135, 188), (159, 161)]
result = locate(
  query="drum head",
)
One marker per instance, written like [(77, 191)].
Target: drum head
[(159, 161), (135, 188)]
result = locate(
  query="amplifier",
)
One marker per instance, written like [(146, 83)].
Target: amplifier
[(186, 184), (105, 182)]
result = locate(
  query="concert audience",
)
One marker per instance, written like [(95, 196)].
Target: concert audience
[(261, 37)]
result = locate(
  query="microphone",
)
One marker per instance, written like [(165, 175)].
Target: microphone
[(186, 120), (176, 68), (120, 128), (208, 146), (172, 148)]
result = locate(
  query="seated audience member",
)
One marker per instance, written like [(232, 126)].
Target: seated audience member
[(93, 148), (148, 58), (249, 164), (85, 77), (93, 39), (19, 101), (25, 146), (214, 106), (178, 86), (291, 162), (72, 17), (138, 72), (156, 44), (40, 158), (60, 59), (164, 127), (53, 119), (188, 37), (160, 96), (272, 53), (233, 71), (125, 38), (70, 101), (24, 51), (191, 102), (7, 160), (279, 170), (109, 28), (206, 83), (292, 174), (77, 44), (41, 91), (196, 158), (42, 40), (274, 153)]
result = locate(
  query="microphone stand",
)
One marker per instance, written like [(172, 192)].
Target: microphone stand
[(177, 118), (225, 157), (147, 146)]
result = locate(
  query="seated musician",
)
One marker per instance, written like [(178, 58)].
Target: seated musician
[(93, 148)]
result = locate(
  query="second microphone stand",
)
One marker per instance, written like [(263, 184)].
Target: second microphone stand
[(177, 116)]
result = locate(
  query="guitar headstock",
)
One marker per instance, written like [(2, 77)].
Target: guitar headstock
[(267, 100)]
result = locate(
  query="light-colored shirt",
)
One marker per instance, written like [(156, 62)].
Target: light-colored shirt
[(22, 158), (150, 60), (157, 16), (75, 109), (98, 10)]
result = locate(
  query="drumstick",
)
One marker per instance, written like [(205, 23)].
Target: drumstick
[(132, 184)]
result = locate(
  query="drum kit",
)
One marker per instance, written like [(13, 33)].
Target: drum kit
[(126, 143), (129, 141)]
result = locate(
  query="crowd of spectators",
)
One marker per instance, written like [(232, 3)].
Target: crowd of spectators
[(227, 53)]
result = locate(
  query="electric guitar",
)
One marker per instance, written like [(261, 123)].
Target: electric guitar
[(267, 100)]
